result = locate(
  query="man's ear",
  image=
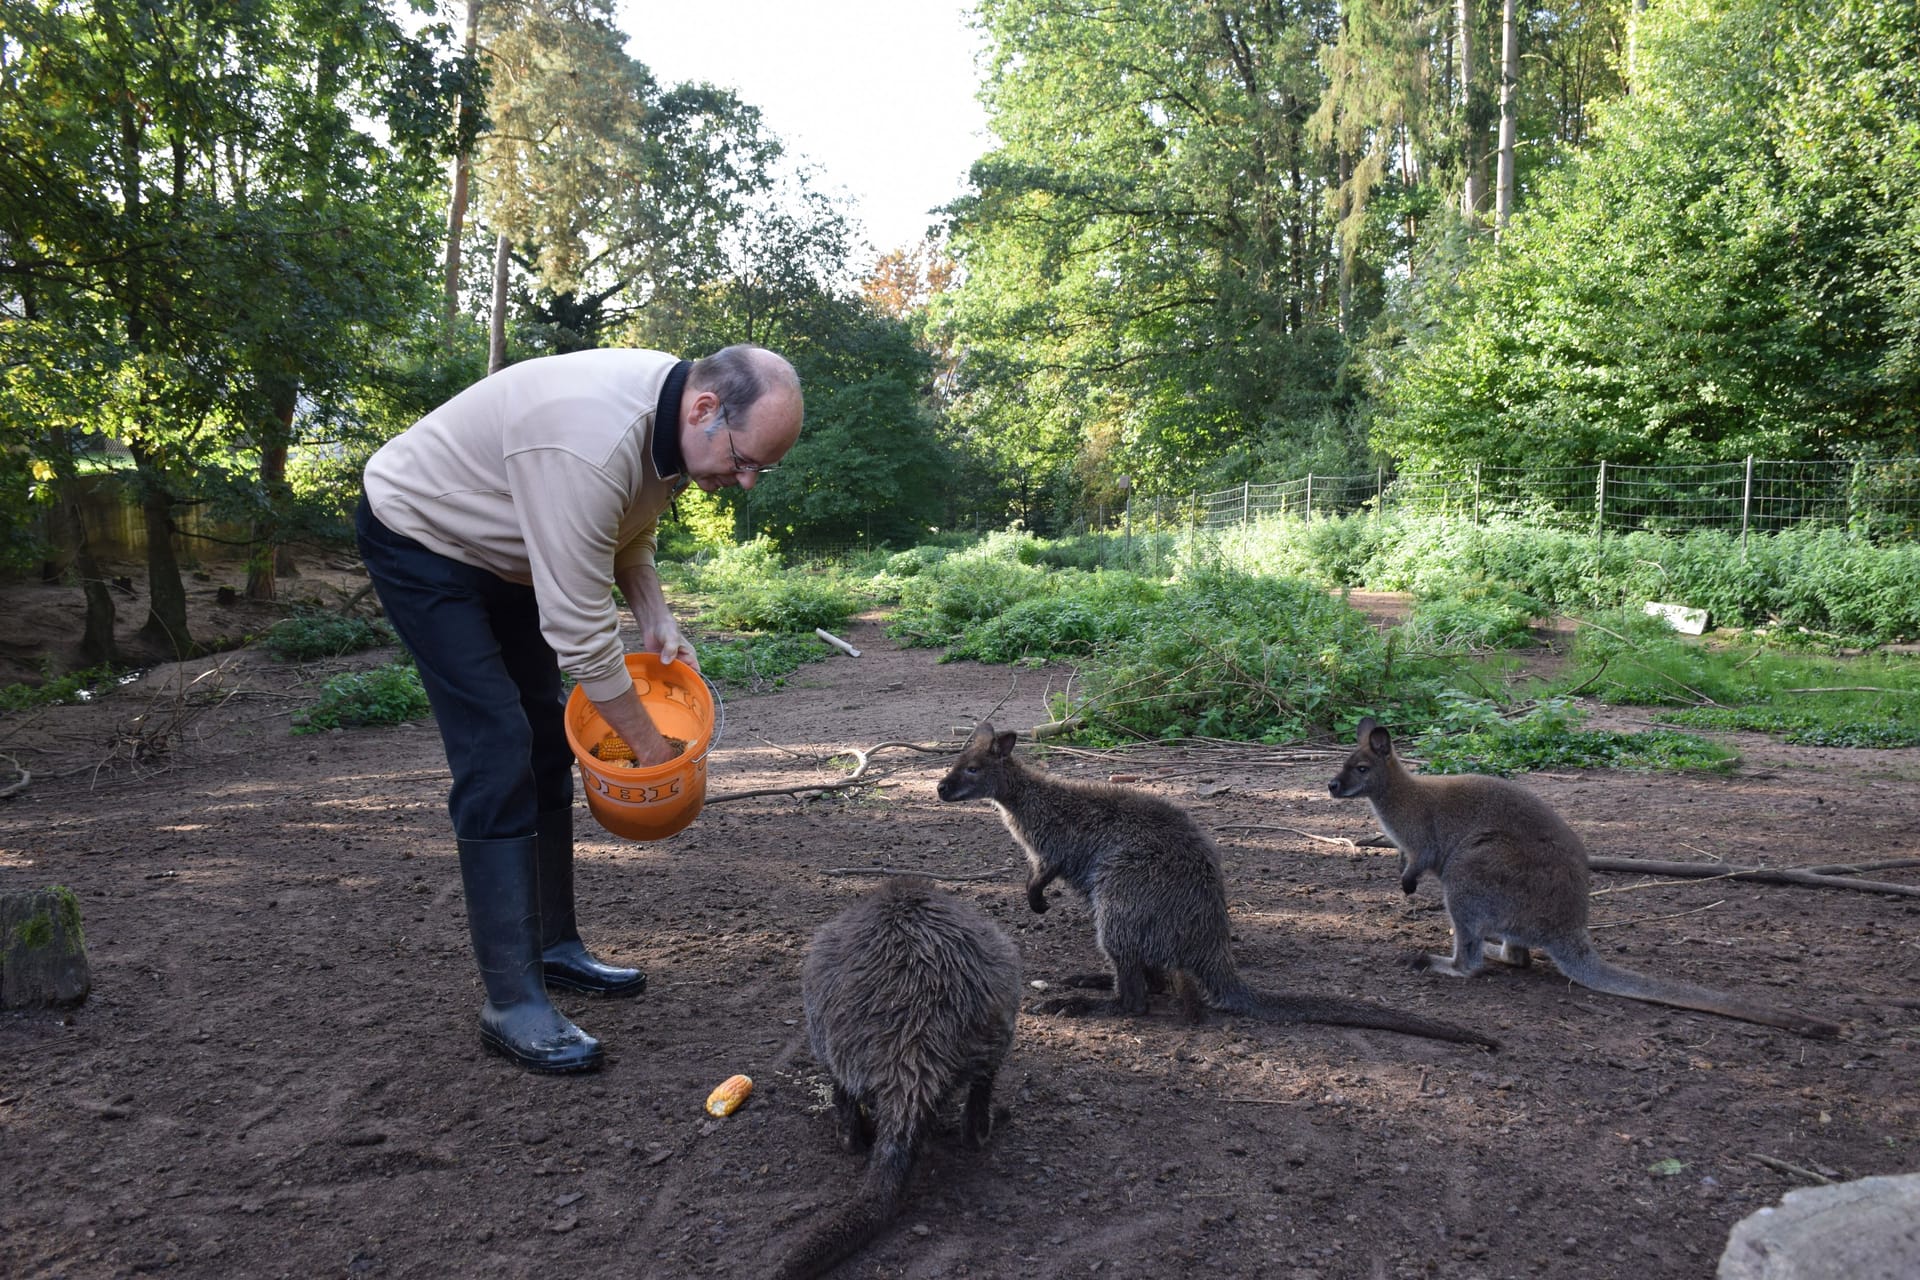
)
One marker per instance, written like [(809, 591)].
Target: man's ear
[(700, 407)]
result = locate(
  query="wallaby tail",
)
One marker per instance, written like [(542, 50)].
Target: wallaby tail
[(852, 1226), (1589, 970), (1334, 1011)]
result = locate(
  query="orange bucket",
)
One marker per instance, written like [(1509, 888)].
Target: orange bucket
[(648, 803)]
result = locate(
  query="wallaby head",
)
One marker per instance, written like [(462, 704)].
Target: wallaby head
[(1371, 767), (983, 763)]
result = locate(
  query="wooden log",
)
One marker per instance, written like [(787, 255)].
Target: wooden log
[(43, 959)]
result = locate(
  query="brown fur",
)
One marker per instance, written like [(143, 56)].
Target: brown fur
[(910, 995), (1152, 878), (1513, 871)]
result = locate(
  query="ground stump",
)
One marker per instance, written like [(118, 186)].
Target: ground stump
[(43, 959), (1868, 1229)]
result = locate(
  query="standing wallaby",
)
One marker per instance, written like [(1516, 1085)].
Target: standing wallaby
[(1153, 880), (1511, 870), (910, 994)]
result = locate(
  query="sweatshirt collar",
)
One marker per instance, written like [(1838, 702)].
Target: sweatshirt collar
[(666, 414)]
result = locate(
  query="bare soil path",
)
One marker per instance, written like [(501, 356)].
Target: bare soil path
[(278, 1072)]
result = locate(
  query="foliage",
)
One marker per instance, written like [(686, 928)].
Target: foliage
[(1721, 276), (384, 695), (755, 664), (1820, 579), (1468, 613), (1083, 611), (310, 635), (1802, 728), (1472, 736), (1226, 655), (74, 686), (748, 588), (948, 595)]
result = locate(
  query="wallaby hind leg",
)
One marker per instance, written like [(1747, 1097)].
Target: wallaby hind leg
[(1103, 981), (977, 1124), (1192, 996), (1469, 942), (856, 1127), (1507, 951)]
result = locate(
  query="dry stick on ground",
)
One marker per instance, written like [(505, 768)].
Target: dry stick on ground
[(852, 780), (1794, 1169), (1765, 875), (1255, 826), (1621, 924), (19, 781)]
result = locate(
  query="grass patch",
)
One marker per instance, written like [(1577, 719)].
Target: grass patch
[(307, 636), (757, 664), (749, 588), (75, 686), (382, 696), (1474, 737)]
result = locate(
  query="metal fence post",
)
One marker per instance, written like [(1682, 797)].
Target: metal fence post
[(1246, 498), (1476, 494), (1746, 507), (1600, 501), (1379, 491), (1309, 495)]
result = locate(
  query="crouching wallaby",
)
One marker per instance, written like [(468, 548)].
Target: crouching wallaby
[(1513, 872), (1152, 878), (910, 994)]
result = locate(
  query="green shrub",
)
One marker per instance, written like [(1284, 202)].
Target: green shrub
[(1473, 737), (748, 588), (756, 664), (75, 686), (383, 695), (1224, 654), (938, 604), (1470, 613), (306, 636), (1803, 728), (1083, 611)]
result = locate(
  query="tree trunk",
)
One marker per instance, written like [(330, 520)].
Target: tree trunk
[(1509, 111), (497, 327), (276, 432), (457, 201), (165, 629), (1470, 194)]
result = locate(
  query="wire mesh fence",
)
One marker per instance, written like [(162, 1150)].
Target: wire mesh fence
[(1879, 498)]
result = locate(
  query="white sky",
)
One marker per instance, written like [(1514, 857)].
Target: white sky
[(877, 94)]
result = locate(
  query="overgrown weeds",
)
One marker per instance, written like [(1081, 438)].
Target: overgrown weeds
[(307, 636), (385, 695)]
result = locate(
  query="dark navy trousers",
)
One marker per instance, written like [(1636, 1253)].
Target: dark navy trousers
[(490, 675)]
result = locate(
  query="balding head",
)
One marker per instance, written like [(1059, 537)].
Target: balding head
[(752, 396)]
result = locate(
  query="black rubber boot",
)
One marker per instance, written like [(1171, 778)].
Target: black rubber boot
[(503, 912), (564, 957)]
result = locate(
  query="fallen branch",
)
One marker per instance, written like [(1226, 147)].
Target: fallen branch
[(908, 871), (1850, 688), (836, 642), (1255, 826), (1621, 924), (851, 780), (1765, 875), (20, 780), (1794, 1169)]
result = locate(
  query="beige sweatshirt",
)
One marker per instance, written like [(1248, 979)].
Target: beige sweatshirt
[(543, 474)]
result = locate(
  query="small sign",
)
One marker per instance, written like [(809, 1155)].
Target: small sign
[(1688, 622)]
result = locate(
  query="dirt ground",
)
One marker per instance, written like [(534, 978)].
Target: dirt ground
[(278, 1072)]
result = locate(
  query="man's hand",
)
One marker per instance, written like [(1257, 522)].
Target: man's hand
[(664, 638), (627, 717)]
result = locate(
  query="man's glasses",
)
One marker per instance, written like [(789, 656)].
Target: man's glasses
[(740, 463)]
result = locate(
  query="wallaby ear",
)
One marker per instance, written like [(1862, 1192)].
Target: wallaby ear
[(1003, 743), (1378, 741), (1365, 730)]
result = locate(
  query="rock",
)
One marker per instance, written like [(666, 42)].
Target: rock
[(43, 958), (1868, 1229)]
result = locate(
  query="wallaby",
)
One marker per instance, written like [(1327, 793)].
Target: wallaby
[(910, 993), (1511, 871), (1152, 878)]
